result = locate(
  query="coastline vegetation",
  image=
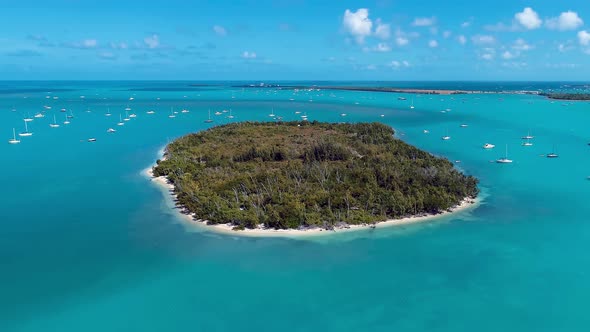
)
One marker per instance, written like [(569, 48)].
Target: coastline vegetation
[(567, 96), (297, 175)]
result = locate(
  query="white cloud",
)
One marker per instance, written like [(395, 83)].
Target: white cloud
[(483, 39), (89, 43), (401, 41), (107, 56), (248, 55), (382, 47), (521, 45), (487, 56), (152, 41), (501, 27), (466, 24), (219, 30), (357, 24), (371, 67), (382, 30), (462, 40), (508, 55), (447, 34), (119, 46), (398, 64), (487, 53), (433, 43), (584, 38), (424, 21), (515, 65), (566, 21), (528, 18), (564, 47)]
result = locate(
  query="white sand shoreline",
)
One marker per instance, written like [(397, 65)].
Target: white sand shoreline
[(163, 183)]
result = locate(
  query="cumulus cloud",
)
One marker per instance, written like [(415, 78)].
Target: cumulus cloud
[(382, 47), (358, 24), (424, 21), (584, 38), (487, 53), (507, 55), (521, 45), (398, 64), (152, 41), (528, 18), (447, 34), (483, 39), (462, 40), (433, 44), (382, 30), (401, 41), (219, 30), (466, 24), (107, 56), (566, 21), (248, 55)]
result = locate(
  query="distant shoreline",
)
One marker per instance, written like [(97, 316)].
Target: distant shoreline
[(167, 189), (389, 89)]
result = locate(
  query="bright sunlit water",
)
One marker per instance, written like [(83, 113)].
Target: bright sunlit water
[(89, 244)]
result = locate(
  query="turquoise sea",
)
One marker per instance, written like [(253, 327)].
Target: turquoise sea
[(89, 244)]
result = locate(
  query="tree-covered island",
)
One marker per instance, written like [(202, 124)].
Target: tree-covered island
[(298, 175)]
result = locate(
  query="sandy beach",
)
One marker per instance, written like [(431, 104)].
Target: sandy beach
[(168, 189)]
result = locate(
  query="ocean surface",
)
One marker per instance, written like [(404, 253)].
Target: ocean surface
[(87, 243)]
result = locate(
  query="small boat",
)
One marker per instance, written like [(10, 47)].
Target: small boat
[(209, 120), (218, 113), (504, 160), (446, 137), (184, 111), (111, 130), (552, 155), (343, 114), (382, 115), (528, 136), (92, 140), (527, 143), (67, 122), (412, 106), (63, 110), (151, 112), (401, 98), (132, 115), (463, 125), (426, 131), (488, 146), (39, 115), (126, 118), (26, 133), (54, 124), (28, 119), (299, 112), (120, 123), (230, 116), (108, 113), (13, 140), (272, 113), (172, 116), (128, 108)]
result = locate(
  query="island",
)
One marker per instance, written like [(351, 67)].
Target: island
[(567, 96), (308, 176)]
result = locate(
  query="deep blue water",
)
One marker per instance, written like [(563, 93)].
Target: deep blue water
[(88, 244)]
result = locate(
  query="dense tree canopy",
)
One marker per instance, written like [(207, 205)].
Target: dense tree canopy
[(308, 174), (567, 96)]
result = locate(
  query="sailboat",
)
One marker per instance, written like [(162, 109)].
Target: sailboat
[(26, 133), (446, 137), (230, 116), (209, 120), (54, 124), (120, 123), (184, 111), (128, 108), (151, 112), (108, 113), (504, 160), (552, 154), (412, 106), (488, 146), (126, 118), (528, 136), (13, 140), (527, 143), (272, 113), (28, 119), (218, 113), (111, 130), (171, 116), (67, 122)]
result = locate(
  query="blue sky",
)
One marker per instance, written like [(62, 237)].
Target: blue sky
[(296, 40)]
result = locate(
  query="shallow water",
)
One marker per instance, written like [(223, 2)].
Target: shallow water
[(88, 244)]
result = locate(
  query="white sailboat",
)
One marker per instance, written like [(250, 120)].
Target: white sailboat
[(111, 130), (26, 133), (230, 116), (67, 122), (272, 113), (126, 118), (54, 124), (13, 140), (120, 123), (446, 137), (108, 113), (504, 160), (28, 119), (527, 143), (412, 105), (552, 154), (488, 146), (151, 112), (171, 116), (528, 136), (209, 120), (218, 113)]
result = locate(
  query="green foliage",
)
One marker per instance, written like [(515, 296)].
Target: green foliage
[(567, 96), (308, 174)]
